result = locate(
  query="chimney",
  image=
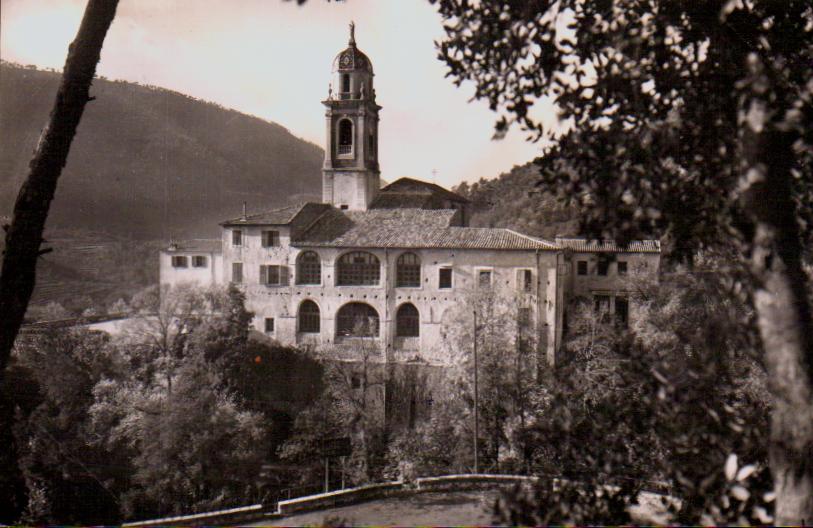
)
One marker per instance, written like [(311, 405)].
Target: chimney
[(245, 217)]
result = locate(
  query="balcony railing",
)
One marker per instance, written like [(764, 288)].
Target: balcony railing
[(345, 149)]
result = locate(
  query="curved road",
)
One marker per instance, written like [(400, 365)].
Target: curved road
[(468, 508), (453, 508)]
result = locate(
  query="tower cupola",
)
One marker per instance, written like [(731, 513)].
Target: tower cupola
[(350, 175), (352, 72)]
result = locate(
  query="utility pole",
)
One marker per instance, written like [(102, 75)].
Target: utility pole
[(476, 403)]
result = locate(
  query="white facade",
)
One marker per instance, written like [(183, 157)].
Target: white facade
[(370, 229)]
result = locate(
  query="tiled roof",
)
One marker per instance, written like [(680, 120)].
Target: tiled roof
[(413, 186), (398, 200), (410, 228), (200, 245), (609, 246), (281, 216)]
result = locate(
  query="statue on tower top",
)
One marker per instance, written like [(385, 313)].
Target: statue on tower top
[(352, 33)]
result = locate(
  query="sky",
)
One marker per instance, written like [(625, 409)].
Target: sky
[(272, 59)]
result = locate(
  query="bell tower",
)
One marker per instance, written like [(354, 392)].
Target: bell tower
[(350, 174)]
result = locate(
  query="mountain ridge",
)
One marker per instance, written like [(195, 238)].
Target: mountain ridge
[(149, 162)]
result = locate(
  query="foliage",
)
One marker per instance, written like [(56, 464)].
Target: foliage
[(666, 404), (192, 442), (511, 201), (193, 449), (649, 93), (69, 479), (508, 362), (683, 120), (351, 405), (177, 414)]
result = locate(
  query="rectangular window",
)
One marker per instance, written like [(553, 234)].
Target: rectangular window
[(273, 275), (581, 267), (525, 280), (179, 262), (237, 272), (236, 237), (198, 261), (622, 267), (269, 325), (622, 311), (408, 271), (603, 266), (484, 279), (270, 238), (445, 278)]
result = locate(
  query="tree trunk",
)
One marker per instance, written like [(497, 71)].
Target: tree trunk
[(24, 235), (781, 302)]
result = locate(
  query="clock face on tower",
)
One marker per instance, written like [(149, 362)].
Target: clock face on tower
[(345, 60)]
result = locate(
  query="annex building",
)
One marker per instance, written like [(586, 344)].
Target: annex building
[(387, 265)]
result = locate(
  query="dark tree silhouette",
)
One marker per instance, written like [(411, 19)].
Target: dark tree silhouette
[(23, 239), (24, 234), (688, 120)]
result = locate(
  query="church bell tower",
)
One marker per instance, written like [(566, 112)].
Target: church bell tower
[(350, 175)]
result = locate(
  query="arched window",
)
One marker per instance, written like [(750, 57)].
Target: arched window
[(358, 268), (407, 321), (345, 136), (408, 270), (308, 268), (309, 320), (345, 82), (357, 320)]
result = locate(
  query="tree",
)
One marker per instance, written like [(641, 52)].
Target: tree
[(688, 120), (193, 449), (69, 478), (24, 235), (507, 362), (352, 404), (671, 400), (177, 404)]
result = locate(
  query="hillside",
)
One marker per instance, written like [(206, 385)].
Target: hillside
[(151, 163), (514, 201), (146, 164)]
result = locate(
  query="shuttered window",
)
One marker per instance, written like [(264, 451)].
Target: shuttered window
[(525, 280), (274, 275), (270, 238)]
